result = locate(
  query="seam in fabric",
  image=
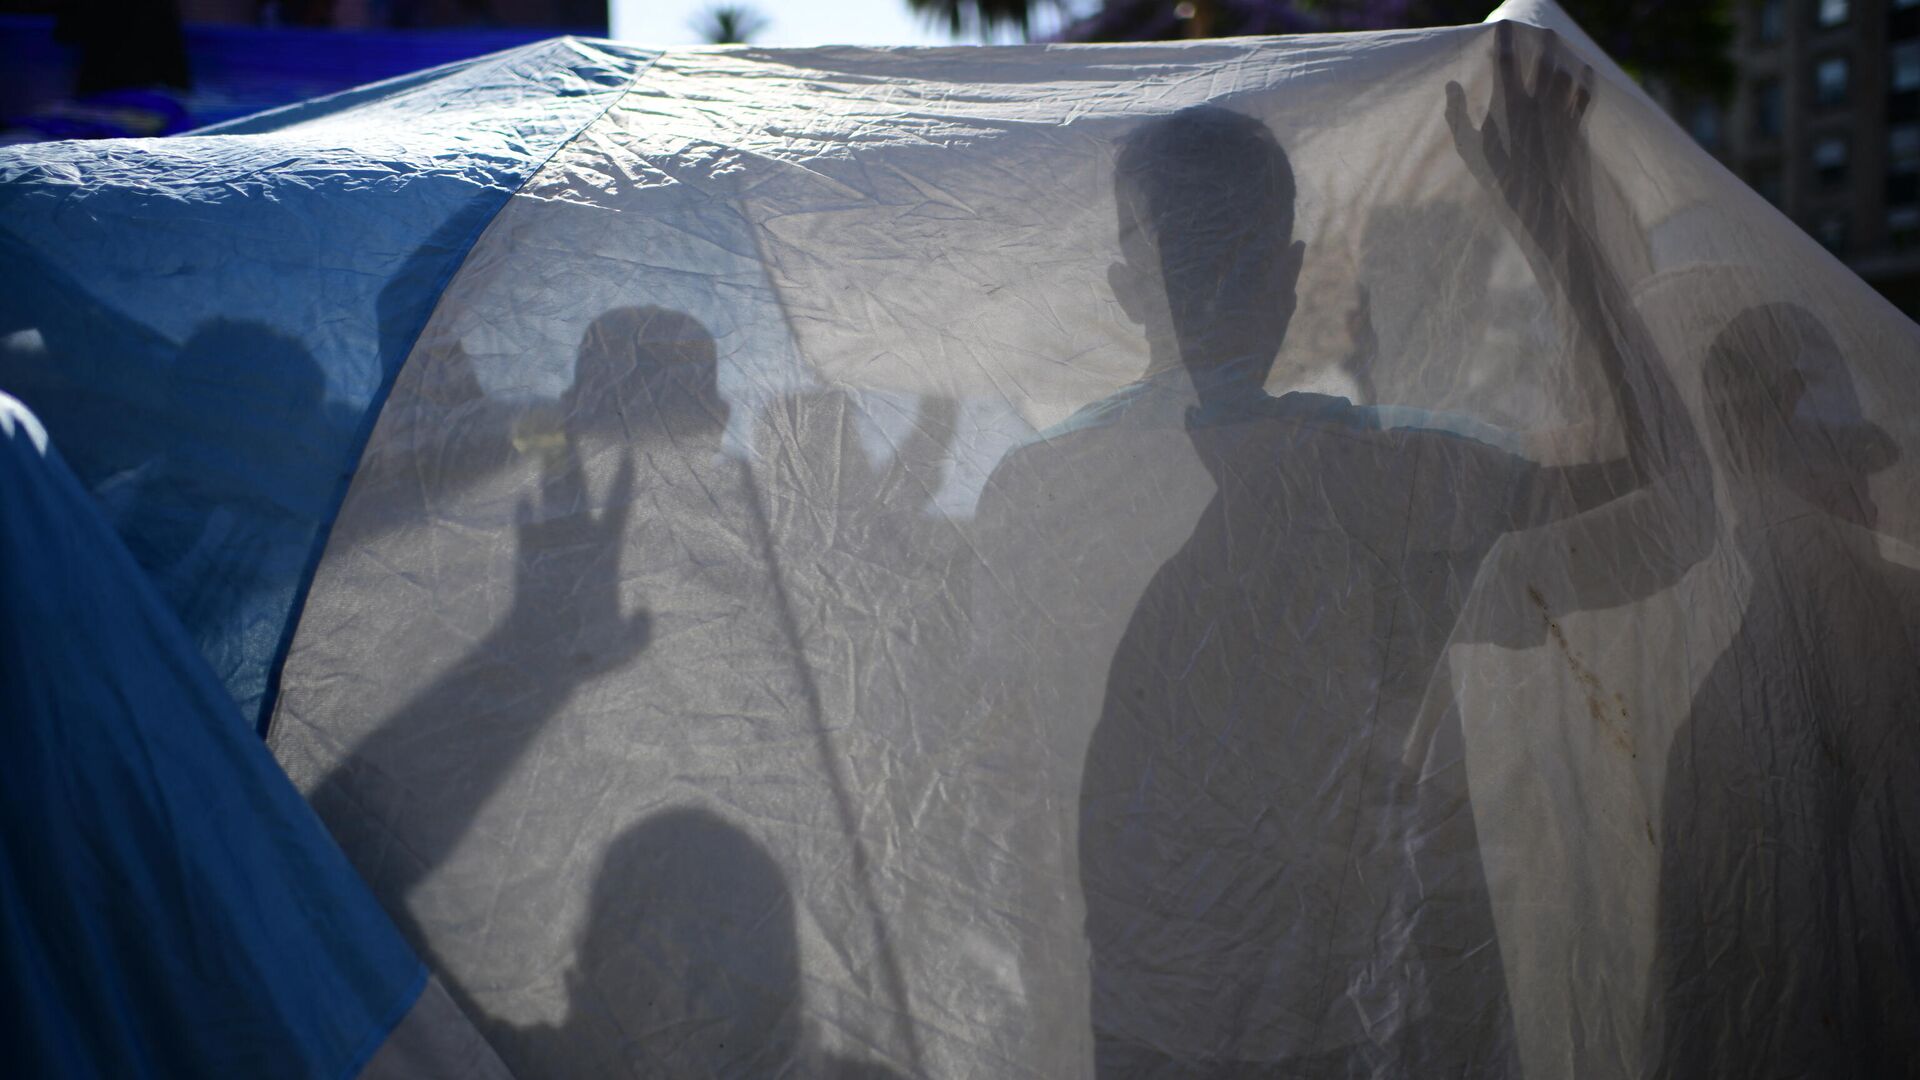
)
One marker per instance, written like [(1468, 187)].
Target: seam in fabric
[(376, 405)]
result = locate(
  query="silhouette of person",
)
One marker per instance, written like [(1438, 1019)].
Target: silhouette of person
[(224, 512), (689, 965), (824, 474), (642, 374), (1790, 838), (1268, 890), (84, 367), (859, 540), (647, 376), (716, 672), (868, 576)]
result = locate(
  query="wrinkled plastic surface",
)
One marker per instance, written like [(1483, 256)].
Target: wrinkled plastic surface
[(168, 904), (1230, 558), (205, 321)]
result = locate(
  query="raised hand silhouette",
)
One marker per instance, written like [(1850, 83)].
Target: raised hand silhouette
[(425, 775), (1358, 364), (1532, 154), (566, 600), (1529, 148), (564, 625)]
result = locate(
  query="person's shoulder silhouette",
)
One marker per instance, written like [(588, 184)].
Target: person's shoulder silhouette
[(1790, 843), (1263, 878)]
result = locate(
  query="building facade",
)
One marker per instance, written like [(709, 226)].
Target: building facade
[(1825, 123)]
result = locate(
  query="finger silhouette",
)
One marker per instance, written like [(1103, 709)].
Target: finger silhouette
[(1506, 69), (619, 506)]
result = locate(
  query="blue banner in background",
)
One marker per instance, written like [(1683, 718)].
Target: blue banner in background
[(237, 71)]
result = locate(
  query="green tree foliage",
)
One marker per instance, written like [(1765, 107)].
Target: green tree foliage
[(729, 24), (983, 17)]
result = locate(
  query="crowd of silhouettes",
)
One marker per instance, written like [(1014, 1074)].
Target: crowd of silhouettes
[(1264, 873)]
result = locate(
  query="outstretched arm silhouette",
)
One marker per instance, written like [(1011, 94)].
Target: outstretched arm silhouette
[(1531, 154), (563, 626)]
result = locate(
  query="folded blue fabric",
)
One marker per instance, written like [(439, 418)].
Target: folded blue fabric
[(168, 904)]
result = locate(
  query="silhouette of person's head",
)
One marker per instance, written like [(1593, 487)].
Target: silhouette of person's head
[(257, 399), (1208, 261), (689, 960), (642, 368), (239, 371), (1785, 412)]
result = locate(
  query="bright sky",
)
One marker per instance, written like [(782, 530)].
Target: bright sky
[(790, 22)]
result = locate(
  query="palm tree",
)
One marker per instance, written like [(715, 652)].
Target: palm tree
[(729, 24), (984, 16)]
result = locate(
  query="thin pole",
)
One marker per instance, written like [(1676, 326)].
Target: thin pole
[(862, 867)]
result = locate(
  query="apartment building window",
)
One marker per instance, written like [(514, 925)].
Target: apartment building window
[(1704, 122), (1903, 164), (1903, 148), (1903, 20), (1906, 66), (1830, 81), (1830, 160), (1770, 22), (1768, 114), (1832, 12), (1903, 227)]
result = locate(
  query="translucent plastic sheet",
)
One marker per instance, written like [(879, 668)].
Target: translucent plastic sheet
[(1169, 560), (1351, 556), (204, 322)]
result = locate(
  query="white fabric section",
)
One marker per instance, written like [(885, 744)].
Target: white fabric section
[(1162, 560)]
